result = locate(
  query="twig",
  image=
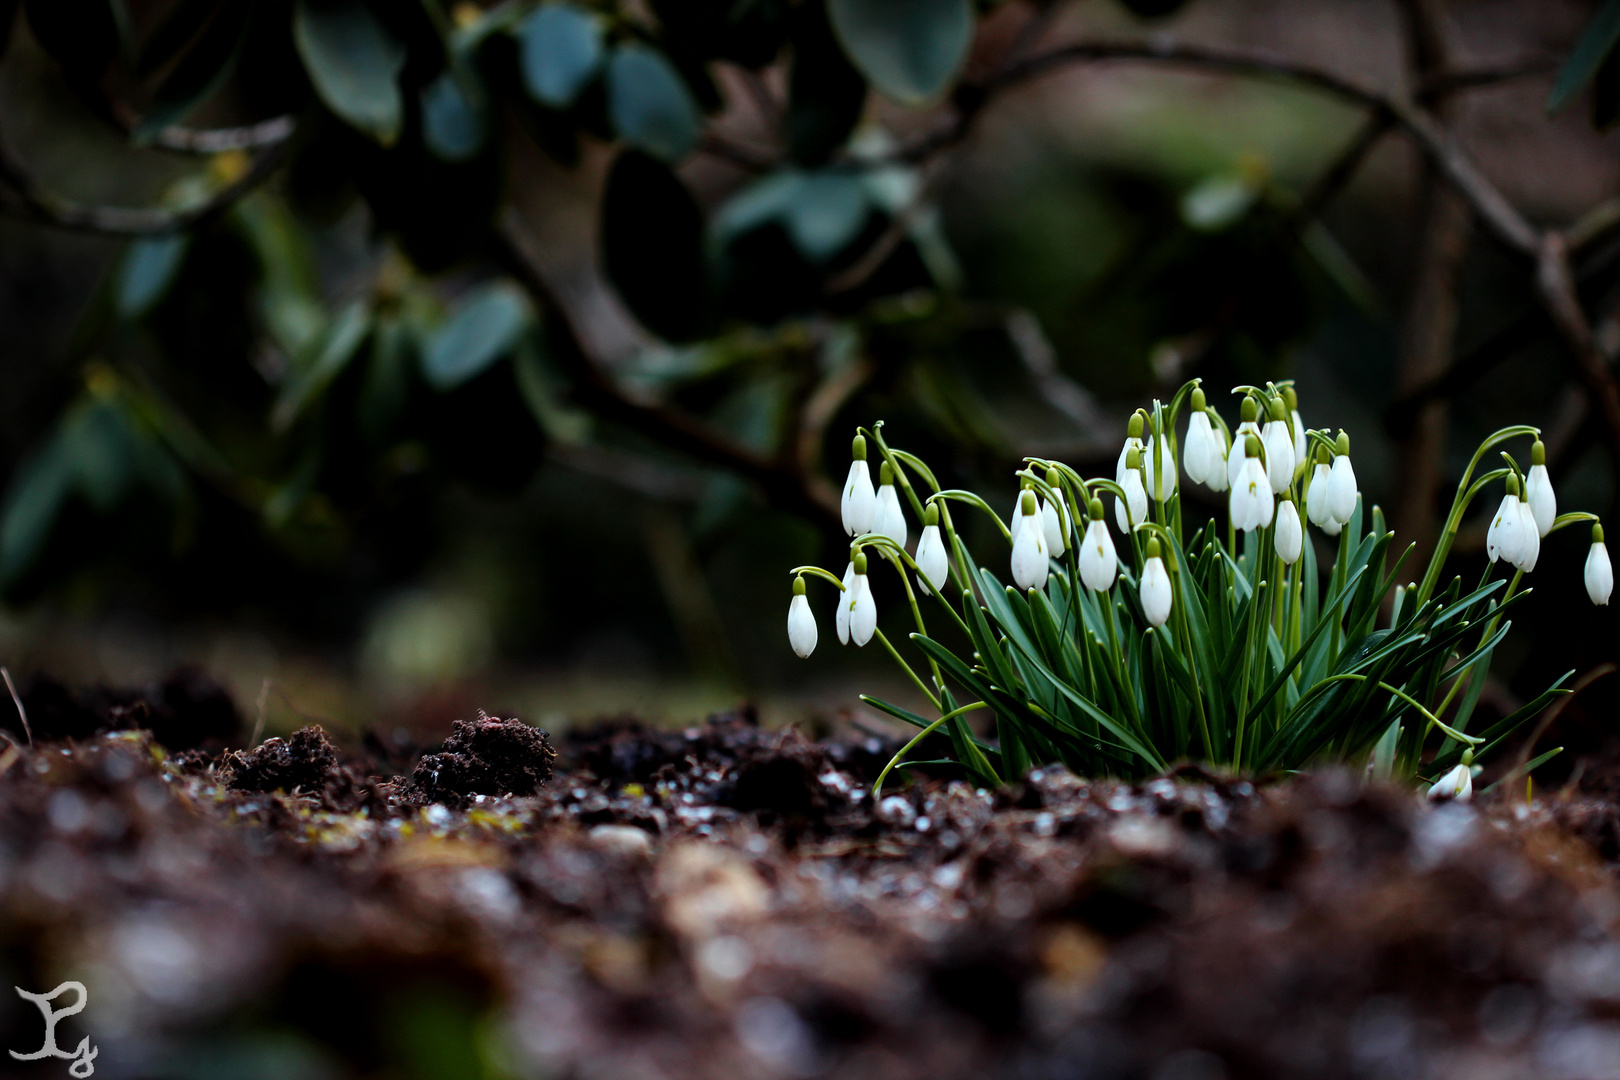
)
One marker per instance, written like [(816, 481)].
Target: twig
[(265, 133), (1557, 708), (16, 699), (264, 707)]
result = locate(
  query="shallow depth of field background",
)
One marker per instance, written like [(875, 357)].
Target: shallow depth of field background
[(474, 556)]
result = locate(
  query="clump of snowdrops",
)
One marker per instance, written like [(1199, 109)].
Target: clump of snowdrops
[(1230, 645)]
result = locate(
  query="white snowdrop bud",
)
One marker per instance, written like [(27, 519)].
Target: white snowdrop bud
[(1218, 463), (1250, 503), (801, 622), (1316, 501), (1155, 589), (1530, 548), (1055, 517), (1279, 443), (1132, 510), (1302, 450), (1505, 538), (1538, 490), (1599, 573), (931, 558), (841, 619), (1342, 484), (1029, 562), (1158, 472), (1099, 564), (1133, 441), (1457, 784), (863, 606), (858, 504), (1290, 533), (1199, 451), (889, 520), (1240, 444)]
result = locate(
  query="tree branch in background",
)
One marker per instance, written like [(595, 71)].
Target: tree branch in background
[(783, 483), (42, 204)]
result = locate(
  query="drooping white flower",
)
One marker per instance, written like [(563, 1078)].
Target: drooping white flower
[(1216, 479), (1599, 573), (1505, 538), (1133, 441), (858, 504), (1278, 439), (889, 520), (1055, 517), (1457, 784), (1029, 562), (1240, 443), (1530, 549), (1290, 533), (862, 606), (1199, 452), (1316, 500), (841, 619), (1301, 443), (801, 624), (1131, 510), (1155, 588), (932, 559), (1159, 474), (1538, 490), (1342, 484), (1099, 563), (1250, 502)]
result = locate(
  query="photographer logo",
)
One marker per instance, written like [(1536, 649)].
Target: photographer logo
[(84, 1057)]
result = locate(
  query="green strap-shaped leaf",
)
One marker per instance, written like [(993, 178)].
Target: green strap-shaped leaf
[(146, 272), (650, 105), (562, 52), (908, 49), (354, 63), (1597, 41)]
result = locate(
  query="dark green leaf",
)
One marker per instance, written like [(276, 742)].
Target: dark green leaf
[(562, 50), (337, 347), (826, 95), (1597, 41), (483, 328), (908, 49), (354, 63), (652, 247), (206, 65), (146, 272), (650, 105), (32, 503), (453, 125)]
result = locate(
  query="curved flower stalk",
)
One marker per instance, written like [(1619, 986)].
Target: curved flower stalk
[(1223, 641)]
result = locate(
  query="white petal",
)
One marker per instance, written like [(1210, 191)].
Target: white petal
[(801, 626), (1216, 478), (1279, 455), (1136, 502), (890, 520), (1160, 481), (1290, 533), (862, 612), (931, 559), (1529, 539), (1125, 452), (1240, 451), (1502, 539), (1099, 564), (1301, 443), (845, 599), (1196, 452), (1342, 490), (1317, 506), (1543, 502), (858, 505), (1599, 574), (1457, 784), (1155, 591), (1053, 522), (1029, 563)]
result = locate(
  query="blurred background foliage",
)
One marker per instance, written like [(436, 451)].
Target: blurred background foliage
[(409, 355)]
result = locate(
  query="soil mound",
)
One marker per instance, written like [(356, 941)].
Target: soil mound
[(487, 756), (302, 761)]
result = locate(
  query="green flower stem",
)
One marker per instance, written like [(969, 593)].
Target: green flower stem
[(817, 571), (877, 787), (907, 668), (973, 500), (1459, 503)]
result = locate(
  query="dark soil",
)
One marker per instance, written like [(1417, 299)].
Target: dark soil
[(730, 902)]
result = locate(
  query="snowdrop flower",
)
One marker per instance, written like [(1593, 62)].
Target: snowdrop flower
[(1131, 510), (1538, 490), (1290, 533), (1457, 784), (1530, 550), (1316, 497), (1302, 445), (1599, 574), (1133, 441), (889, 520), (1029, 562), (1218, 462), (1341, 487), (1159, 477), (931, 558), (1240, 445), (1279, 443), (801, 622), (841, 620), (1055, 518), (858, 505), (1250, 503), (1505, 538), (1099, 564), (862, 606), (1202, 453), (1155, 589)]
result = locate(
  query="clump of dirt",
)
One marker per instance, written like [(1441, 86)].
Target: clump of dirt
[(486, 756), (302, 761)]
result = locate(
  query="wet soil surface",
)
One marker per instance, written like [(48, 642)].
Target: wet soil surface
[(730, 902)]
